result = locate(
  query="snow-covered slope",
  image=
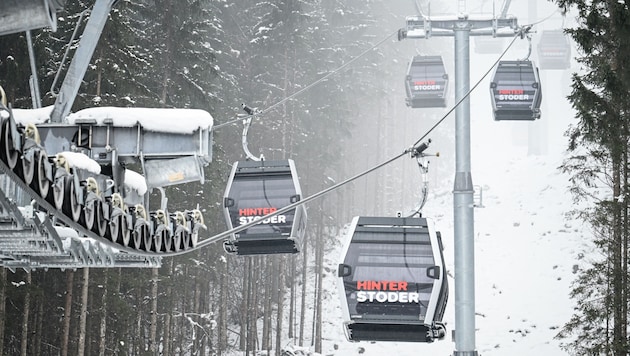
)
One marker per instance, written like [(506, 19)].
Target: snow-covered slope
[(526, 249)]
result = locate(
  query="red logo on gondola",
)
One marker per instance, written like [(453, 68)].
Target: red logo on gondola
[(250, 214), (385, 291), (426, 85)]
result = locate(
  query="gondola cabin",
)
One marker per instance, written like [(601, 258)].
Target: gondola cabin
[(515, 91), (554, 50), (426, 82), (256, 189), (392, 280)]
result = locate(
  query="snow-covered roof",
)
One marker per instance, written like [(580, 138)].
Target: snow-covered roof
[(34, 116), (153, 119)]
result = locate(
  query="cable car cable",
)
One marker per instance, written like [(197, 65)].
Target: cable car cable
[(289, 207), (259, 113), (468, 93), (224, 234)]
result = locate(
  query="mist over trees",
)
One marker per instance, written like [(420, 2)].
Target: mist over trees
[(211, 55), (215, 55)]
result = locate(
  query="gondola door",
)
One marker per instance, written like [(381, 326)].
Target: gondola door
[(256, 189), (392, 280)]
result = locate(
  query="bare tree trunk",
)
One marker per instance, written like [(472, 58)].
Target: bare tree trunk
[(244, 306), (154, 304), (139, 344), (292, 296), (195, 315), (279, 317), (168, 55), (67, 313), (103, 324), (267, 309), (624, 262), (318, 305), (251, 307), (3, 299), (223, 306), (37, 340), (303, 297), (25, 315), (168, 319), (83, 315)]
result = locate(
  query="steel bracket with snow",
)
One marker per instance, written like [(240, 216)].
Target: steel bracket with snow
[(392, 280)]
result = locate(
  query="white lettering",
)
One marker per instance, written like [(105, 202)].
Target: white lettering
[(403, 297), (361, 297), (513, 97), (381, 297), (427, 87), (278, 219), (414, 298), (391, 297)]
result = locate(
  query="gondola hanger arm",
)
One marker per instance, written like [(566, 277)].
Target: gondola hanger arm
[(524, 32), (246, 124), (418, 152)]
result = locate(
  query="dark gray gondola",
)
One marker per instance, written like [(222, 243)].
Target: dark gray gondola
[(426, 82), (392, 280), (258, 188), (516, 91), (554, 50)]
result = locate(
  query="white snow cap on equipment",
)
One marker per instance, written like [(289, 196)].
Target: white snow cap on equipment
[(34, 116), (183, 121), (82, 161), (135, 180)]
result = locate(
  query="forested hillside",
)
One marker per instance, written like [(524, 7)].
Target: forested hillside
[(214, 55), (328, 78)]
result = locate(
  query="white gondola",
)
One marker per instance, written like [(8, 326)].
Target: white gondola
[(392, 280), (516, 91), (258, 188)]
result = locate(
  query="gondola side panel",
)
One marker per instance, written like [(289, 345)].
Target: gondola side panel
[(426, 82), (515, 91), (256, 189), (391, 280)]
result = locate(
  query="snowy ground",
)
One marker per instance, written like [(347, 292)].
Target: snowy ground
[(526, 249)]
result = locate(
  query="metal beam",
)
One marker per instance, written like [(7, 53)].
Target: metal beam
[(81, 60), (461, 27)]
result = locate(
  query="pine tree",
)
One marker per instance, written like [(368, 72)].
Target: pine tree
[(601, 135)]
